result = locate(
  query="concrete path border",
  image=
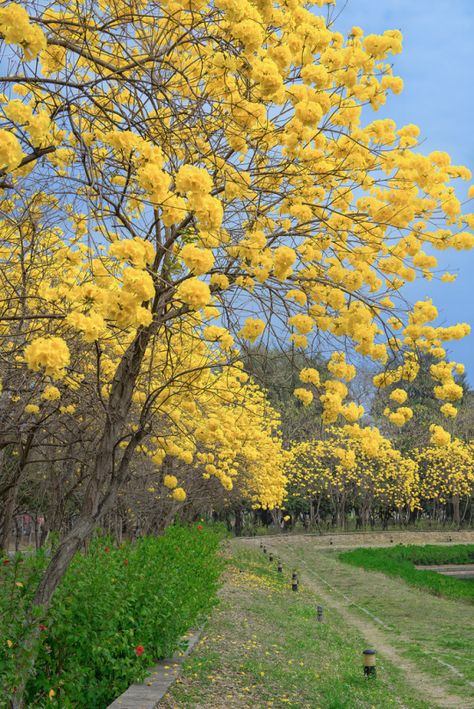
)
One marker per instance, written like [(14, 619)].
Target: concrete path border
[(161, 677)]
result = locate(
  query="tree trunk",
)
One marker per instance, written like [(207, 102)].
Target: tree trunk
[(238, 522), (12, 494), (456, 511), (100, 496), (7, 518)]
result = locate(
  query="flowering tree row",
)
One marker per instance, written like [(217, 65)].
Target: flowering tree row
[(359, 472)]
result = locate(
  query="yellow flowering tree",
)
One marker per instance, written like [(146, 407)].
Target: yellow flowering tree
[(203, 176), (447, 477), (352, 470)]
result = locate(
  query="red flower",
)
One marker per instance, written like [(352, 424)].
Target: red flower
[(199, 527), (106, 549), (42, 627), (139, 650), (6, 561), (125, 562)]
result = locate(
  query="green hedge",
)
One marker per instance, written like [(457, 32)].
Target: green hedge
[(400, 561), (112, 601)]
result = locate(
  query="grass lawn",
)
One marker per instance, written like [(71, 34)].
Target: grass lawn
[(263, 647), (430, 637), (400, 561)]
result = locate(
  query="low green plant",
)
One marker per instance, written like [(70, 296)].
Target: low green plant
[(401, 560), (117, 610)]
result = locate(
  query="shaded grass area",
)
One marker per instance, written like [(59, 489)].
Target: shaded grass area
[(400, 561), (263, 647)]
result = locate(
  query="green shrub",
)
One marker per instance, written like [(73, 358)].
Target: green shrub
[(400, 561), (112, 601)]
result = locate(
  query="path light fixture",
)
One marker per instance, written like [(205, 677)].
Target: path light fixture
[(319, 613), (369, 664), (330, 541), (270, 557), (294, 581), (264, 550), (280, 568)]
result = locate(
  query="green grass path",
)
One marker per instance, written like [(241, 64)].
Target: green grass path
[(262, 647), (430, 638)]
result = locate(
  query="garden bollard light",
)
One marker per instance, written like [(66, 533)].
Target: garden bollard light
[(280, 567), (270, 557), (369, 664), (294, 581), (319, 611), (264, 550)]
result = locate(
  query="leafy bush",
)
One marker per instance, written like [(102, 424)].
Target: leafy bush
[(400, 561), (112, 603)]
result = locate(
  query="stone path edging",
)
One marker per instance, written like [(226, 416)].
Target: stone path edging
[(161, 677)]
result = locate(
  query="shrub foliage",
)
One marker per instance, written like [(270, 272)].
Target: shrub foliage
[(117, 610)]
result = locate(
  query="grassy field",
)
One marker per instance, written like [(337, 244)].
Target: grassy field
[(263, 646), (430, 638), (400, 561)]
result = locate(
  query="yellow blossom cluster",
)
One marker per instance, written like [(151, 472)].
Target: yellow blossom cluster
[(16, 28), (138, 252), (50, 393), (400, 416), (11, 153), (194, 293), (228, 434), (447, 389), (48, 354), (198, 261), (252, 328), (37, 125), (338, 366), (439, 437), (332, 392)]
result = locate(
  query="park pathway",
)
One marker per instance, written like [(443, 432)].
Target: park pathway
[(429, 639)]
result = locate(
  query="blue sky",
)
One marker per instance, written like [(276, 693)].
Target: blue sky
[(437, 66)]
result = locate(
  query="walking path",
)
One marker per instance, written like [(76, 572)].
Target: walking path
[(430, 639)]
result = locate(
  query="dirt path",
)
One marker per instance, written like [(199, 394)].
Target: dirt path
[(375, 631)]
